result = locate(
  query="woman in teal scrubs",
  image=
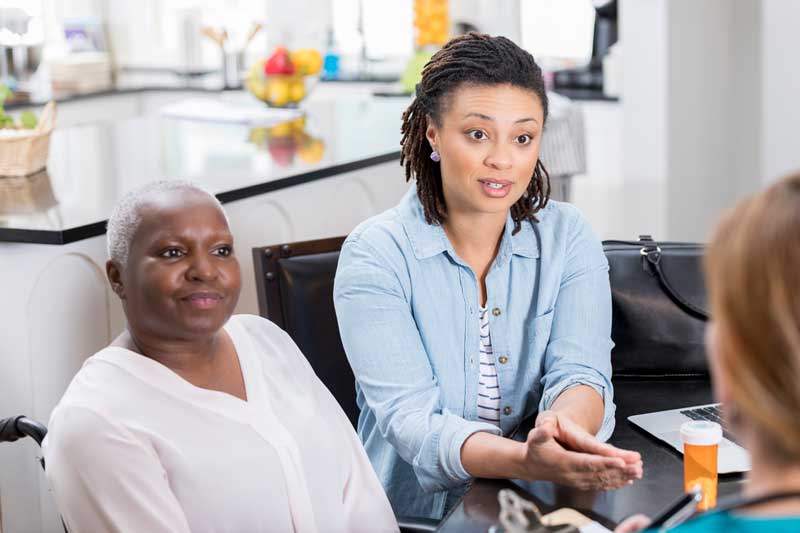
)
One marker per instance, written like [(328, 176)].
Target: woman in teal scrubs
[(753, 346)]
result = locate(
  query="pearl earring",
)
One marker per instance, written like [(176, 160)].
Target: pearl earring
[(435, 156)]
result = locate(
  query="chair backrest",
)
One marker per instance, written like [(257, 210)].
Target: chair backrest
[(295, 291)]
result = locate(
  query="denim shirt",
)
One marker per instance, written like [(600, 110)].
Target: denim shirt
[(407, 307)]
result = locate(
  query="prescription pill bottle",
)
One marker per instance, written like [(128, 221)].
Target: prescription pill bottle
[(700, 449)]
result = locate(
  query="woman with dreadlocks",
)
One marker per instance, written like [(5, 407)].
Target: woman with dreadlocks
[(476, 302)]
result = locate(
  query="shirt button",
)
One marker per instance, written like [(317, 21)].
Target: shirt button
[(503, 359), (508, 411), (496, 311), (471, 361)]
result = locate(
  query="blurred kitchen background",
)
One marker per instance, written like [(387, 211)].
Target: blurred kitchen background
[(699, 97), (663, 114), (371, 37)]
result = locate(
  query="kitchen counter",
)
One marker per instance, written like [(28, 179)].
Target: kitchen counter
[(92, 165), (137, 80), (128, 82)]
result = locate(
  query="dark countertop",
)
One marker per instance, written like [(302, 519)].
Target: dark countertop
[(92, 165)]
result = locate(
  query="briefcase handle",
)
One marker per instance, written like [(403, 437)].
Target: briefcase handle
[(652, 252)]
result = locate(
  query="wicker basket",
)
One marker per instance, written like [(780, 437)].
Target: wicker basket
[(26, 154)]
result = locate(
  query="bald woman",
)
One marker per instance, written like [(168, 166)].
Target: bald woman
[(194, 419)]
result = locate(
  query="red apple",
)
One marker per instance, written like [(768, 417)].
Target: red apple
[(279, 62)]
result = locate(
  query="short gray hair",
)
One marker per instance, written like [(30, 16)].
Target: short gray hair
[(126, 216)]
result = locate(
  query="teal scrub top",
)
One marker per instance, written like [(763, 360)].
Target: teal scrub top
[(726, 522)]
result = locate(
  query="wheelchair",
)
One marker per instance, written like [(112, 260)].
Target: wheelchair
[(18, 427)]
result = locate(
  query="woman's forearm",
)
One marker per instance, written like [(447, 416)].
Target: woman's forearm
[(583, 405), (490, 456)]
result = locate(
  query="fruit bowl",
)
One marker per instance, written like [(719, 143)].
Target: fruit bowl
[(281, 90), (284, 79)]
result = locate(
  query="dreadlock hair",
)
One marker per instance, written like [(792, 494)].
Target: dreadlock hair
[(471, 59)]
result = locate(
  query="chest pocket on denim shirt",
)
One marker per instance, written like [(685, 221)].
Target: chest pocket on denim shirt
[(535, 337)]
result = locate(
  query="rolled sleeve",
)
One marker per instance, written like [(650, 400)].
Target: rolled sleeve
[(605, 391), (451, 441), (579, 349), (391, 366)]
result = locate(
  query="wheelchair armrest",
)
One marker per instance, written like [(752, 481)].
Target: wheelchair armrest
[(8, 429), (16, 427)]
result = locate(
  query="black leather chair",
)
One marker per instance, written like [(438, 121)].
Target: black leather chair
[(295, 291)]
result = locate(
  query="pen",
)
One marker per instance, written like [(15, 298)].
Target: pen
[(680, 510)]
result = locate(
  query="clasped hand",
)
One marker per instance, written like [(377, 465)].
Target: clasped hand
[(559, 450)]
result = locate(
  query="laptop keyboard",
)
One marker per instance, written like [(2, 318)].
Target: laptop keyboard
[(711, 413)]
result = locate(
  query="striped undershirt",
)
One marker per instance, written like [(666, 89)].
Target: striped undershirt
[(488, 386)]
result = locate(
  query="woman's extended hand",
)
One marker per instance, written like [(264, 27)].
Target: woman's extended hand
[(573, 437), (559, 450)]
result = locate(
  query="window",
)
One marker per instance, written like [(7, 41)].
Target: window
[(388, 28), (558, 29)]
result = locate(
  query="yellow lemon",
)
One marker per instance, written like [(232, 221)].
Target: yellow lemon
[(258, 88), (314, 62), (306, 61), (278, 91), (297, 90), (256, 70), (298, 60)]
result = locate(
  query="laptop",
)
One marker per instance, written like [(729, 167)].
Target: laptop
[(666, 426)]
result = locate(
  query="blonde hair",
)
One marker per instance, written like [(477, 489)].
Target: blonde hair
[(753, 273)]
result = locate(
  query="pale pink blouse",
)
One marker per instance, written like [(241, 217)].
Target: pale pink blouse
[(133, 446)]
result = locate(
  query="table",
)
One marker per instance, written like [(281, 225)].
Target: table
[(663, 467)]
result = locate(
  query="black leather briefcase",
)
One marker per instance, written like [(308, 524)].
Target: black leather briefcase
[(659, 308)]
